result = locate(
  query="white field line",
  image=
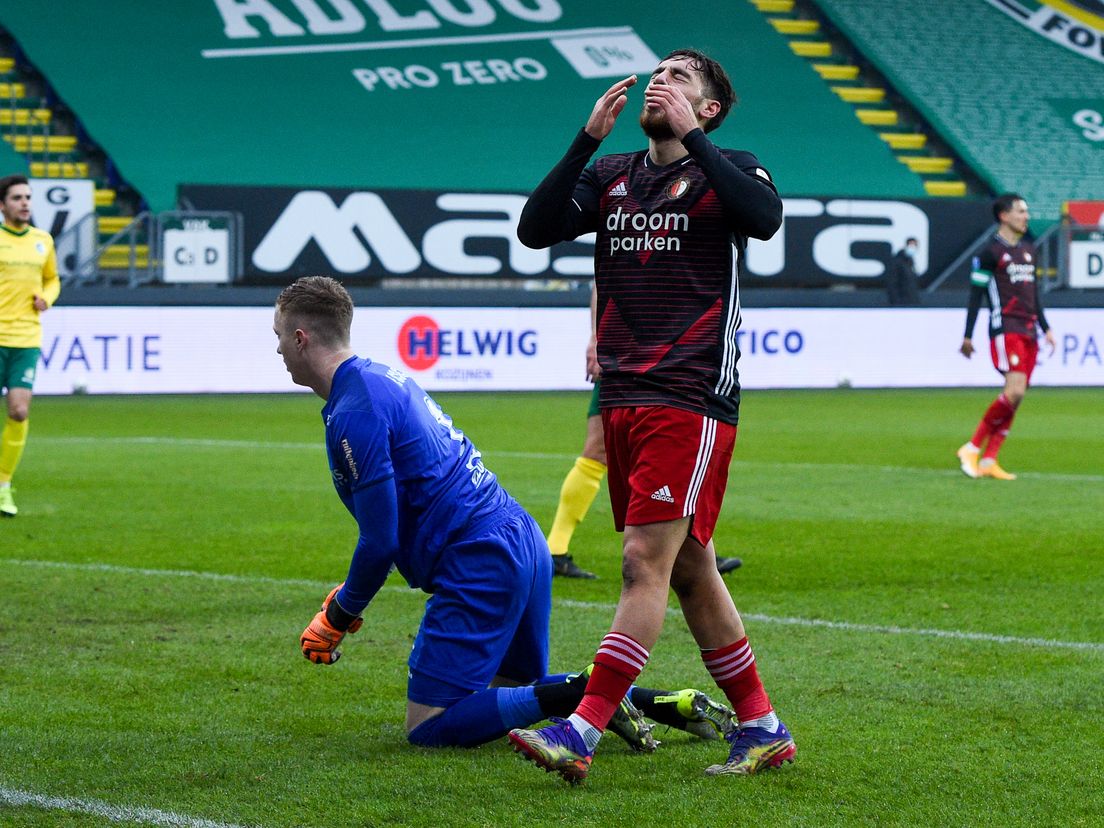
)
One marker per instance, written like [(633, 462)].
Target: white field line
[(412, 43), (844, 626), (113, 813), (254, 445)]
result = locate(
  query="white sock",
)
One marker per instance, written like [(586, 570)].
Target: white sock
[(6, 485), (768, 722), (589, 733)]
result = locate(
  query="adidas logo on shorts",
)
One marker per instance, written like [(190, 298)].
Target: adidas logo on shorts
[(663, 494)]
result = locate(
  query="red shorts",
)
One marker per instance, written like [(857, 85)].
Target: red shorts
[(666, 464), (1014, 352)]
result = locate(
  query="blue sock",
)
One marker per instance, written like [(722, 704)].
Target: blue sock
[(483, 716)]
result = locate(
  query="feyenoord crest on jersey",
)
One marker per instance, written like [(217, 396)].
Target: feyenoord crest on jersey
[(678, 188)]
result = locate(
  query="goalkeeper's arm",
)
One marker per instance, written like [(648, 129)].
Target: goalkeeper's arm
[(376, 510)]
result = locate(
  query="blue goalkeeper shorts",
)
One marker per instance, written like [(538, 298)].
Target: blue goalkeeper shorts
[(488, 615)]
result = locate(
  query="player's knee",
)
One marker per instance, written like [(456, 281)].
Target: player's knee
[(19, 411), (429, 733), (639, 565)]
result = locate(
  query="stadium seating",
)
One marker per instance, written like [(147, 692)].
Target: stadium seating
[(984, 82), (177, 116)]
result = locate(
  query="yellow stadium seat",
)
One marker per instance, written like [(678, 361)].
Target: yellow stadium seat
[(7, 64), (13, 90), (24, 117), (117, 256), (42, 143), (795, 27), (877, 117), (860, 94), (59, 169), (904, 140), (811, 48), (774, 6), (945, 189), (926, 163), (105, 198), (110, 225), (836, 71)]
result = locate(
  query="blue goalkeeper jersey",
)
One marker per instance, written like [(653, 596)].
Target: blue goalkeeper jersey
[(412, 480)]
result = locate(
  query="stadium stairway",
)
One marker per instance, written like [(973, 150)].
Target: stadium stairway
[(851, 77), (36, 126)]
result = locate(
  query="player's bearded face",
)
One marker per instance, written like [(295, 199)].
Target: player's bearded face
[(654, 120)]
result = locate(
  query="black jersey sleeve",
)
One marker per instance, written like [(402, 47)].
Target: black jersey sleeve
[(744, 188), (1040, 315), (565, 204), (978, 293)]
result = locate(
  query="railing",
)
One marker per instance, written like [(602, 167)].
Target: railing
[(136, 255)]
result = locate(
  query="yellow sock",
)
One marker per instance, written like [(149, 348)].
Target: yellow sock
[(577, 493), (11, 447)]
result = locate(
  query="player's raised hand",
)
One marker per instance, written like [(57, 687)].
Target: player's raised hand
[(607, 108), (320, 639), (967, 348)]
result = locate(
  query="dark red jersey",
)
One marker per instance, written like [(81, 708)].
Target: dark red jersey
[(1005, 274), (669, 249)]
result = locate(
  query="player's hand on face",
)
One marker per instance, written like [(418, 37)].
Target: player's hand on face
[(967, 348), (607, 108), (675, 105)]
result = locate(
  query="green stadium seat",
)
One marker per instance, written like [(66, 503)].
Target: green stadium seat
[(955, 72)]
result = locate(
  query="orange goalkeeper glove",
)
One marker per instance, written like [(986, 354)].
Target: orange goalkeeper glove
[(320, 639)]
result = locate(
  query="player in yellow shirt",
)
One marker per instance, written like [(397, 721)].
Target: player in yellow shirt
[(29, 285)]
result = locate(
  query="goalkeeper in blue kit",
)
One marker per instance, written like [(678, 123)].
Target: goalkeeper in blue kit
[(426, 504)]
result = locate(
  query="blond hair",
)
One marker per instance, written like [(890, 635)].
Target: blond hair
[(320, 305)]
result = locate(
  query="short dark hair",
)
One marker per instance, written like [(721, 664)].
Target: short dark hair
[(1003, 203), (320, 304), (9, 181), (717, 85), (912, 239)]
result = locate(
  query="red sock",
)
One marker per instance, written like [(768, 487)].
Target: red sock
[(997, 438), (733, 668), (1001, 422), (619, 661), (997, 416)]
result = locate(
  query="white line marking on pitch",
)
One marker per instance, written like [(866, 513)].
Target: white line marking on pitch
[(195, 442), (846, 626), (114, 813)]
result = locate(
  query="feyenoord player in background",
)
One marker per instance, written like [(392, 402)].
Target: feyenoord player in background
[(28, 287), (672, 224), (1004, 275)]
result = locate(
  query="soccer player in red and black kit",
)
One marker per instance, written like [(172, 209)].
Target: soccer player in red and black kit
[(672, 225), (1004, 275)]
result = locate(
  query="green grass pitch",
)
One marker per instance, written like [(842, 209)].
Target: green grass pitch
[(936, 644)]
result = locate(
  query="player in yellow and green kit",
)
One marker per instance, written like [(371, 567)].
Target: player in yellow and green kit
[(28, 286)]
